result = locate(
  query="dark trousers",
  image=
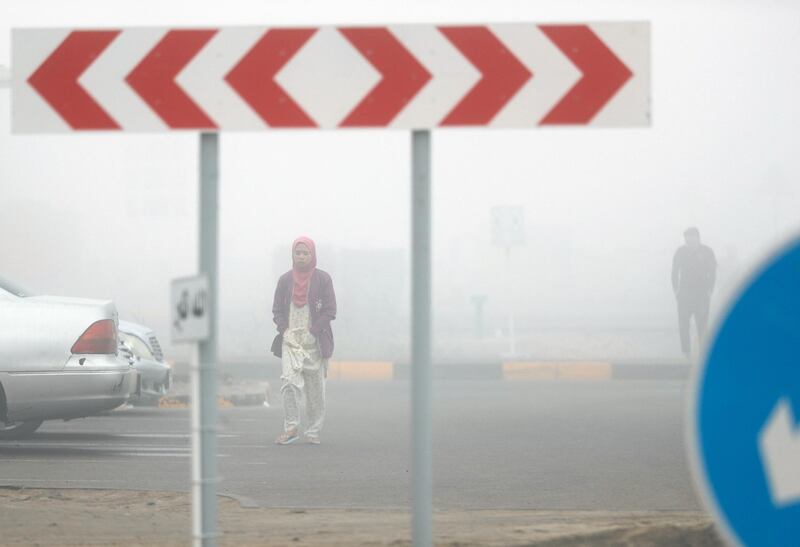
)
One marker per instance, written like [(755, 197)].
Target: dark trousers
[(692, 305)]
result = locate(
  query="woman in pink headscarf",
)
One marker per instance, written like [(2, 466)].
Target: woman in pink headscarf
[(304, 306)]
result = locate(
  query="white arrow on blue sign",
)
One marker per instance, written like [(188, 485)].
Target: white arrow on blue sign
[(744, 425)]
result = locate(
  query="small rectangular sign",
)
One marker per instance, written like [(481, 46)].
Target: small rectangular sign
[(508, 228), (189, 302)]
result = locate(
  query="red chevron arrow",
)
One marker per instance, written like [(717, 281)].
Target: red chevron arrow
[(154, 79), (502, 75), (603, 74), (402, 76), (253, 78), (56, 80)]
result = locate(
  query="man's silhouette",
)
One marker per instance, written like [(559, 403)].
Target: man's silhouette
[(693, 275)]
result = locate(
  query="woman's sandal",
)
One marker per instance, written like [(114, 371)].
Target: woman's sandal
[(287, 437)]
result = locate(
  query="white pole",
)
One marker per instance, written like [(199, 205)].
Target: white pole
[(511, 334), (204, 401), (421, 464), (197, 468)]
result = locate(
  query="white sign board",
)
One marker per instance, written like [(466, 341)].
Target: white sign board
[(508, 227), (156, 79), (189, 302)]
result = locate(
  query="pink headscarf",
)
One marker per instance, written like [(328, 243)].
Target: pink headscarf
[(302, 277)]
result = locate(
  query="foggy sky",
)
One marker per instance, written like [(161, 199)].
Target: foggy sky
[(114, 216)]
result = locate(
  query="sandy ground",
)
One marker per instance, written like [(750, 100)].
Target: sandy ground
[(113, 517)]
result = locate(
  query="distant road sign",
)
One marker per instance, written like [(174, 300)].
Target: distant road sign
[(189, 303), (745, 431), (508, 226), (402, 76)]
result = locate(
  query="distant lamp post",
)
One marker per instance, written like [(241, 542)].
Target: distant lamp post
[(508, 230), (478, 300), (508, 227)]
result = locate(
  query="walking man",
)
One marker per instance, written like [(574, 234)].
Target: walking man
[(303, 309), (694, 270)]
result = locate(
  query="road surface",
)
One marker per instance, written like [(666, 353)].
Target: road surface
[(615, 446)]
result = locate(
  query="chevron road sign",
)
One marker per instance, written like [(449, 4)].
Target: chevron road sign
[(259, 78)]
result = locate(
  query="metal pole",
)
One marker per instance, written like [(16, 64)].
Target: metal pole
[(511, 334), (421, 464), (204, 402)]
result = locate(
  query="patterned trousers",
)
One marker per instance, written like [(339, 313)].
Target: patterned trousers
[(313, 394)]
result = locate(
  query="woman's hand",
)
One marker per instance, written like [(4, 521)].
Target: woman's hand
[(292, 338)]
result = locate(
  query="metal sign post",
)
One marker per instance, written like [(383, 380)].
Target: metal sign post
[(204, 403), (192, 306), (421, 462)]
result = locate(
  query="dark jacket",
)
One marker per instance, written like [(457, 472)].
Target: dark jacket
[(694, 271), (322, 302)]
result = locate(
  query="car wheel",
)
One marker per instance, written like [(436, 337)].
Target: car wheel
[(18, 430)]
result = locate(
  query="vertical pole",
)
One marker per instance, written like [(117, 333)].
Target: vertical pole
[(512, 336), (421, 464), (204, 402)]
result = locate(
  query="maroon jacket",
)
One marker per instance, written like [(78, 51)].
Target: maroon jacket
[(322, 302)]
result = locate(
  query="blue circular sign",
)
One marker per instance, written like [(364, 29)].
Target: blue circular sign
[(745, 424)]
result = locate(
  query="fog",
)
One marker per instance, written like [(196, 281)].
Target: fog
[(115, 216)]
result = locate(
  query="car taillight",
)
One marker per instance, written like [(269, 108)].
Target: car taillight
[(100, 337)]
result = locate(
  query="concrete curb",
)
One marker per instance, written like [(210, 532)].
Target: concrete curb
[(258, 392), (230, 396), (553, 370), (360, 370), (515, 371)]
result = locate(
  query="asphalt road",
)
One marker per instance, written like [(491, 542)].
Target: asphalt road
[(609, 445)]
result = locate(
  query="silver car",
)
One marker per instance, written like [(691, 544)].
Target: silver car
[(57, 359), (140, 346)]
